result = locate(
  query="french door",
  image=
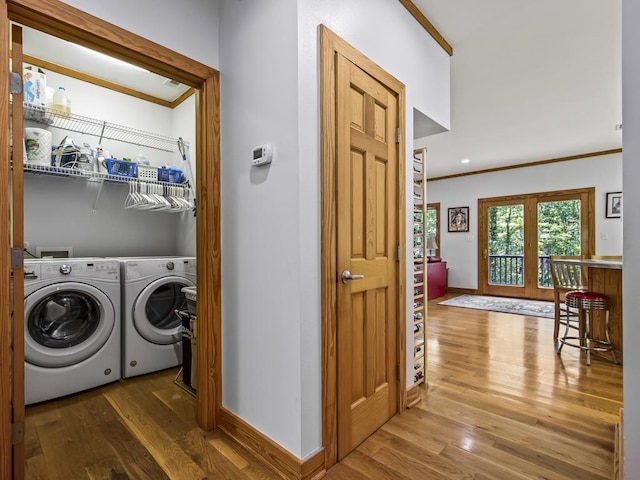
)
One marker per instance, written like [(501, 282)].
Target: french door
[(518, 234)]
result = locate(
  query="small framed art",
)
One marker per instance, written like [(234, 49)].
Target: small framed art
[(458, 219), (614, 205)]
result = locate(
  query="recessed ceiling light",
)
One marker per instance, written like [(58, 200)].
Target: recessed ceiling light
[(465, 160)]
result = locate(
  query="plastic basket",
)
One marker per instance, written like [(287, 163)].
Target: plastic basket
[(148, 173), (172, 175), (120, 167)]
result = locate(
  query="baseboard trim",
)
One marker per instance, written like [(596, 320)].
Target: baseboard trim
[(280, 460), (462, 291), (413, 395)]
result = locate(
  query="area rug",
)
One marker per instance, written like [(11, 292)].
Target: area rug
[(518, 306)]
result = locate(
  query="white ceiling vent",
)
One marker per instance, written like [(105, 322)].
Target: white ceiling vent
[(171, 83)]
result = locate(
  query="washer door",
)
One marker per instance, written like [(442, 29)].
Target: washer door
[(154, 310), (66, 323)]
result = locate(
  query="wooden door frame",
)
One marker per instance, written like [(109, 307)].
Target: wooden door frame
[(330, 45), (587, 224), (66, 22)]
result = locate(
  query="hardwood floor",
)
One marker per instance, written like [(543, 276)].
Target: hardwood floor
[(500, 405), (141, 428)]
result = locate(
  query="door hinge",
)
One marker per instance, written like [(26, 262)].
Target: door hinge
[(397, 253), (17, 433), (397, 371), (15, 83), (398, 135), (17, 257)]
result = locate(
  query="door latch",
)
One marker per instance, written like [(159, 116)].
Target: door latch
[(17, 257), (17, 433), (15, 83)]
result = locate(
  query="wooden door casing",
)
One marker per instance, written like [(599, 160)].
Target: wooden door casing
[(6, 452), (66, 22), (17, 228), (331, 47)]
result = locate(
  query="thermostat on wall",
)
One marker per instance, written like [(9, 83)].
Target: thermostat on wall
[(262, 155)]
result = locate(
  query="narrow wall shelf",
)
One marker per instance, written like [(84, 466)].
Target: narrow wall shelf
[(89, 175), (99, 128), (419, 242)]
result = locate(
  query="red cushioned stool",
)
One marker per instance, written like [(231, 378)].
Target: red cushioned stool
[(586, 301)]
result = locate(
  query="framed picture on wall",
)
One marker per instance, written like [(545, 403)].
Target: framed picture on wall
[(458, 219), (614, 205)]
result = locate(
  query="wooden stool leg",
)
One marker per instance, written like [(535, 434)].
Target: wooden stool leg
[(566, 334)]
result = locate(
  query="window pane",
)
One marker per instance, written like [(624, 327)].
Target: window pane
[(558, 234), (432, 227), (506, 245)]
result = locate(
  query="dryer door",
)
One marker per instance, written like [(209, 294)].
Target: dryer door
[(154, 311), (66, 323)]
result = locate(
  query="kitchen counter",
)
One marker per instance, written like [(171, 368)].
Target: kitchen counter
[(596, 263)]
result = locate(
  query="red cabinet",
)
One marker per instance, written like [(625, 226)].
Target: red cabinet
[(436, 279)]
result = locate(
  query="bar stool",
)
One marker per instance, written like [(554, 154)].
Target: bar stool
[(585, 302), (567, 275)]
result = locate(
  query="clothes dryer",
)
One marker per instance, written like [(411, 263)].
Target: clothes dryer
[(71, 326), (151, 295)]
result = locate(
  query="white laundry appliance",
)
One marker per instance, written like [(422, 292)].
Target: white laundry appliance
[(151, 295), (71, 326)]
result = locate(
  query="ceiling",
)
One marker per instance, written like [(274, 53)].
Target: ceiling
[(530, 81), (81, 59)]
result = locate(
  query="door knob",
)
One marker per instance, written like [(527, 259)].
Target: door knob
[(346, 276)]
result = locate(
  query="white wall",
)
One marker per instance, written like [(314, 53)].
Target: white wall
[(189, 27), (102, 104), (631, 272), (460, 250), (184, 125), (260, 218), (271, 216)]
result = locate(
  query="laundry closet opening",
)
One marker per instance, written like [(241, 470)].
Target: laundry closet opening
[(105, 177), (109, 219)]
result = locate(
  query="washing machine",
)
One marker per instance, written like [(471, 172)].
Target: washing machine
[(151, 295), (71, 326)]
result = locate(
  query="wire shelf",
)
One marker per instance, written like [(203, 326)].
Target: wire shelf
[(98, 128), (89, 175)]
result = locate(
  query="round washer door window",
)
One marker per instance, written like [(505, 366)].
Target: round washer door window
[(66, 323), (154, 311)]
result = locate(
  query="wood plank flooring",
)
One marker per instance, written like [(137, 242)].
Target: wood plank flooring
[(140, 428), (500, 405)]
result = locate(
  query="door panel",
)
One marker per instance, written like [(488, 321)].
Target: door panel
[(367, 209), (518, 235)]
